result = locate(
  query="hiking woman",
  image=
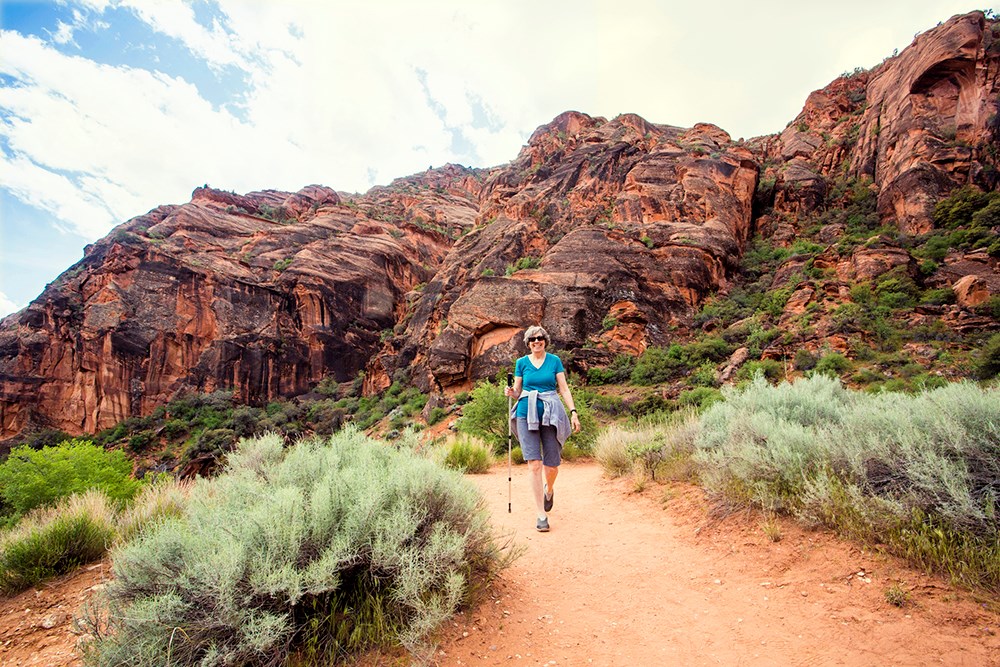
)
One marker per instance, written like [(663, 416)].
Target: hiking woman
[(539, 417)]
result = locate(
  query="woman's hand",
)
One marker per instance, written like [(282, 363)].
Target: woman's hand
[(575, 421), (508, 391)]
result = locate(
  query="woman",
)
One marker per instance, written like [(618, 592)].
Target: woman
[(539, 417)]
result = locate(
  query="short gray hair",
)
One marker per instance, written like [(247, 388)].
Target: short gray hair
[(531, 332)]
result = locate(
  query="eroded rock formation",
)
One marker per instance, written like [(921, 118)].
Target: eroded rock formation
[(266, 293), (610, 233), (621, 227)]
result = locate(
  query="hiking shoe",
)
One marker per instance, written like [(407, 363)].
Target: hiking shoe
[(542, 526), (549, 499)]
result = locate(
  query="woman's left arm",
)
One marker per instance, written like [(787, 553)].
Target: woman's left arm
[(567, 398)]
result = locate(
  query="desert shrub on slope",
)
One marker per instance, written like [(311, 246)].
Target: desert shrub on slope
[(919, 473), (50, 541), (468, 454), (324, 548), (658, 446)]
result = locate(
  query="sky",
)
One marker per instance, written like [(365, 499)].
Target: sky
[(109, 108)]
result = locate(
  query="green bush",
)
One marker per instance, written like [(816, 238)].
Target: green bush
[(313, 552), (833, 363), (938, 297), (618, 371), (759, 337), (805, 360), (141, 441), (32, 478), (51, 542), (659, 447), (958, 208), (970, 216), (611, 406), (523, 263), (658, 365), (214, 443), (768, 368), (485, 415), (917, 472), (583, 441), (712, 348), (989, 308), (436, 415), (986, 363), (468, 454), (703, 376), (650, 404), (699, 397)]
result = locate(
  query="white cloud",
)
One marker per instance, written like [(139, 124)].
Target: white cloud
[(7, 305), (48, 191), (176, 19), (63, 34)]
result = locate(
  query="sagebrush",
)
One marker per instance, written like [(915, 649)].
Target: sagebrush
[(920, 473), (324, 548)]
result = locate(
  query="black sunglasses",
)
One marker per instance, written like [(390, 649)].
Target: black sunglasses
[(537, 339)]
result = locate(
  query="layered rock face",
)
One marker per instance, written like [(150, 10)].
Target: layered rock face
[(917, 126), (599, 230), (609, 233), (265, 293), (907, 133)]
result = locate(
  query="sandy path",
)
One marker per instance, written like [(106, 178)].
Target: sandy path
[(621, 580)]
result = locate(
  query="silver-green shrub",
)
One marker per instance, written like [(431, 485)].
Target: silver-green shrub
[(761, 442), (659, 446), (326, 547), (920, 472)]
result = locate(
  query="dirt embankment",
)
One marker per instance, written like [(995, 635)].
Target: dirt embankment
[(633, 580)]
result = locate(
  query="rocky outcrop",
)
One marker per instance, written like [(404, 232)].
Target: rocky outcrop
[(594, 221), (609, 233), (916, 126), (265, 293), (930, 115)]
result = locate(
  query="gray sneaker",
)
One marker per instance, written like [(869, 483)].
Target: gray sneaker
[(550, 498), (542, 526)]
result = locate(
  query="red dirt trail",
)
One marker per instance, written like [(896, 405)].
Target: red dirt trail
[(627, 579)]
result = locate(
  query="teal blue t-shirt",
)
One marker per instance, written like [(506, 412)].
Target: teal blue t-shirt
[(542, 378)]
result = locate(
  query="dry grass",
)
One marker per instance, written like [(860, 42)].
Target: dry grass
[(152, 505)]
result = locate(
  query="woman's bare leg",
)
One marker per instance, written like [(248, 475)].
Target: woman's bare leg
[(535, 473), (550, 477)]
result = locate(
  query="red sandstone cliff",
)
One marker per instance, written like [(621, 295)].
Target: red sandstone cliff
[(631, 224), (624, 227), (266, 293)]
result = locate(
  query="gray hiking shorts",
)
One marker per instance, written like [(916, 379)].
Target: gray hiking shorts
[(541, 445)]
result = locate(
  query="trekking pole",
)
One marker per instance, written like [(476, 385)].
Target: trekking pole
[(510, 383)]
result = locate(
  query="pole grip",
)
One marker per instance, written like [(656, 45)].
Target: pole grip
[(510, 379)]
